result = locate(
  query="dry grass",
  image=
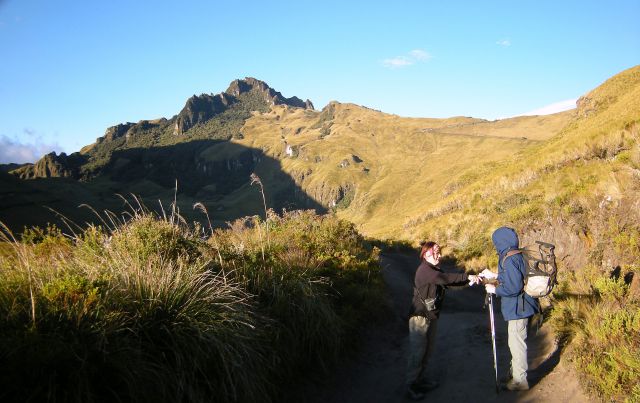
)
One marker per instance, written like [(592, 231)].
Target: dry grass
[(386, 163), (148, 310)]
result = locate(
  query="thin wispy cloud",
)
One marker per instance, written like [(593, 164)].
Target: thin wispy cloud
[(397, 62), (553, 108), (419, 54), (411, 58), (504, 42), (19, 152)]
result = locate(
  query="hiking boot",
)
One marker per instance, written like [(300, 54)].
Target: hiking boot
[(426, 385), (513, 385), (414, 393)]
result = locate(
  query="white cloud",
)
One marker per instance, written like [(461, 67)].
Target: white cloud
[(504, 42), (412, 57), (397, 62), (553, 108), (419, 54), (11, 150)]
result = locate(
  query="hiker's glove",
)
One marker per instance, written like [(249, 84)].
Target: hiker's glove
[(488, 274), (491, 289), (473, 280)]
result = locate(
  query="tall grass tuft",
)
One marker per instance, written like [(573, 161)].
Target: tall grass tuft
[(133, 315), (147, 310), (318, 281)]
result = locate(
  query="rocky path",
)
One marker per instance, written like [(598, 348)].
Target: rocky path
[(462, 363)]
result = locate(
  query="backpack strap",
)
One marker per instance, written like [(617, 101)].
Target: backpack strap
[(510, 253)]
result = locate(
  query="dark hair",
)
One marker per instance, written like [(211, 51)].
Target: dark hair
[(425, 247)]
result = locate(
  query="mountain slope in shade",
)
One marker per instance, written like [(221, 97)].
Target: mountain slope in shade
[(392, 176)]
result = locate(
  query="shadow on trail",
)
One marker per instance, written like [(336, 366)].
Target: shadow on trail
[(462, 361)]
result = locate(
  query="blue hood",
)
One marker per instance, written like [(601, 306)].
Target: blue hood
[(505, 239)]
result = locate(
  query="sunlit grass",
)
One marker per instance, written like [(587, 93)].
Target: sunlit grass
[(601, 320)]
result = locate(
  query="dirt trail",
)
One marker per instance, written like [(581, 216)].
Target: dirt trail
[(462, 362)]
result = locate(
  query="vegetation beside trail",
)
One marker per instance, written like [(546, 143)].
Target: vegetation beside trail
[(570, 178), (579, 190), (598, 318), (150, 310)]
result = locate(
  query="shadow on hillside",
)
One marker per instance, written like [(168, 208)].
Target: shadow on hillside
[(213, 172)]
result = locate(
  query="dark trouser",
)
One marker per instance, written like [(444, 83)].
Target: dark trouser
[(422, 337)]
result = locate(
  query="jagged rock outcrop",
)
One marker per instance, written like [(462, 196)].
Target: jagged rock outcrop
[(52, 166), (115, 132), (199, 109), (585, 106), (129, 130), (271, 96)]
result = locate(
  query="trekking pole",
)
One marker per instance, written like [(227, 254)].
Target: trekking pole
[(489, 301)]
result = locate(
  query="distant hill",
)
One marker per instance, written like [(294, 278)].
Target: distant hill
[(10, 167), (410, 178)]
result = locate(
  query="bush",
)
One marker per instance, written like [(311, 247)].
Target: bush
[(142, 312), (604, 329), (318, 280), (138, 318)]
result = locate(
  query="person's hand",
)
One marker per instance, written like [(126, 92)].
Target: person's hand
[(488, 274), (473, 280), (491, 289)]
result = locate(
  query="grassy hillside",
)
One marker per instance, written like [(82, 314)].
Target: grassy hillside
[(380, 170), (571, 178), (579, 190), (585, 172), (355, 160)]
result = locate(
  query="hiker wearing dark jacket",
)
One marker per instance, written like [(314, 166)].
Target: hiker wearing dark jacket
[(428, 293), (517, 306)]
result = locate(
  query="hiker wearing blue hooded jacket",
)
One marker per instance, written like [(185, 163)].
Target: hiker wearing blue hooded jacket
[(517, 306)]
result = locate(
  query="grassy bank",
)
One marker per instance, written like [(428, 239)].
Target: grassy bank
[(598, 318), (151, 310)]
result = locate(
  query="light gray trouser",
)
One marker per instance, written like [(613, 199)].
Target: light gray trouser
[(422, 337), (517, 330)]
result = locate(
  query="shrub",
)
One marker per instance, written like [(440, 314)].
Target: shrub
[(476, 245), (319, 280), (112, 325), (604, 327), (142, 312)]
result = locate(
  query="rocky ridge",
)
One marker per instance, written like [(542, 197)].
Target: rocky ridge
[(201, 108), (52, 166), (251, 93)]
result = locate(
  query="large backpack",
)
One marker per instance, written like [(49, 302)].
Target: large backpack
[(541, 269)]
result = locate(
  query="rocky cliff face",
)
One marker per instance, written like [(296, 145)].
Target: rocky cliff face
[(199, 109), (268, 94), (52, 166), (129, 130), (115, 132)]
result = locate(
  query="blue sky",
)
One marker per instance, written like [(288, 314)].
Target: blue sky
[(70, 69)]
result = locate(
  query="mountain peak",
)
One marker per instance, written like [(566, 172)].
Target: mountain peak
[(270, 95), (201, 108)]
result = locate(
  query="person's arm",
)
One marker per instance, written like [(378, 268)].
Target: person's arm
[(451, 279), (511, 280)]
